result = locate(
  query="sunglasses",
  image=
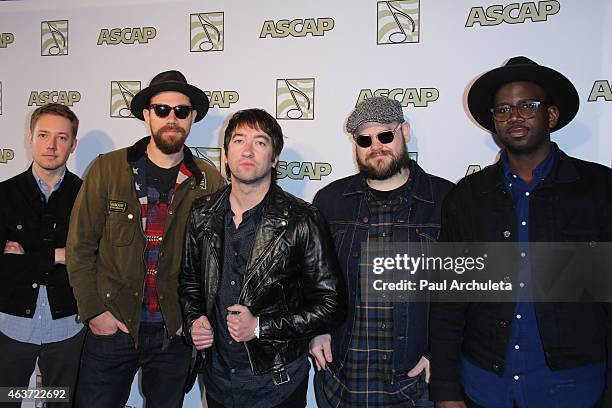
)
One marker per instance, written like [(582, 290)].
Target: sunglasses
[(162, 110), (384, 137)]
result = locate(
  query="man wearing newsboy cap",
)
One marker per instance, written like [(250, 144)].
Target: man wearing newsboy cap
[(124, 251), (529, 353)]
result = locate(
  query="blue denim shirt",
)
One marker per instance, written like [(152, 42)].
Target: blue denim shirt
[(344, 205)]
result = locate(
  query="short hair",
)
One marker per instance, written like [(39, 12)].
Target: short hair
[(56, 109), (255, 118)]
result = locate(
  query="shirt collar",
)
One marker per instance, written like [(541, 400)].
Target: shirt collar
[(541, 170), (44, 188)]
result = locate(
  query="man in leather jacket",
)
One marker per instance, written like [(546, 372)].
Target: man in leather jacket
[(527, 353), (260, 276)]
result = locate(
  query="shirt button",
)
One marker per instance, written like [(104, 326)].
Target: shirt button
[(518, 316), (384, 356), (506, 234), (527, 193), (170, 212), (383, 326), (235, 253), (523, 223), (522, 285), (19, 226), (365, 220), (283, 223), (522, 254), (516, 377), (28, 311), (233, 370), (35, 285), (514, 175), (230, 342), (232, 283), (516, 347), (130, 216)]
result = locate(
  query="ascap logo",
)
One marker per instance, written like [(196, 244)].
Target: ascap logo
[(513, 13), (297, 27), (418, 97), (54, 37), (6, 155), (295, 98), (6, 39), (302, 170), (114, 36), (222, 99), (211, 155), (601, 89), (67, 98), (206, 32), (121, 96), (398, 22), (473, 168)]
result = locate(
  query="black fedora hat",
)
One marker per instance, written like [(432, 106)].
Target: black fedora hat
[(170, 81), (559, 89)]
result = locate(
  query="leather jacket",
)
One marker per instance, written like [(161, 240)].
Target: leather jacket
[(292, 280), (572, 204)]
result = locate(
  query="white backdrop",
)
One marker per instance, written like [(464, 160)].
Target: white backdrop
[(307, 63)]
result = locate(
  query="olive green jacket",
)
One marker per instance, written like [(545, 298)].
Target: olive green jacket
[(106, 241)]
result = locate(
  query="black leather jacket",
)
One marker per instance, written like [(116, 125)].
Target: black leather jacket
[(573, 204), (292, 280)]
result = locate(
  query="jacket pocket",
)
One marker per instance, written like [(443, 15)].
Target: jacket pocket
[(120, 228)]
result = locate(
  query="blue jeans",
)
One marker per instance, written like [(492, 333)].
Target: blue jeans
[(109, 364)]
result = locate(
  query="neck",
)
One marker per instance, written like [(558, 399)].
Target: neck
[(49, 177), (392, 182), (243, 197), (524, 164), (161, 159)]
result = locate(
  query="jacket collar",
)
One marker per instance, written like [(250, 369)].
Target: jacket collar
[(139, 149), (564, 171), (275, 203), (421, 190)]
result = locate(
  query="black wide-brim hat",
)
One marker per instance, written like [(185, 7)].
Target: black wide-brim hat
[(170, 81), (559, 89)]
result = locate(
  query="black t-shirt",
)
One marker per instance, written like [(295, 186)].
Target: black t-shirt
[(161, 179)]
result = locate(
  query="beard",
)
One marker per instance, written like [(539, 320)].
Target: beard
[(397, 164), (167, 145)]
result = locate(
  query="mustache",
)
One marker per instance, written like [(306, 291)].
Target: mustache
[(175, 128), (380, 152)]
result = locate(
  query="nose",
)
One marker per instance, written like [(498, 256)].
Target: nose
[(247, 150), (52, 143), (514, 114)]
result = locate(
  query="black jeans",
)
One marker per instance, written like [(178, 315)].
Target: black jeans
[(295, 400), (58, 363), (109, 364)]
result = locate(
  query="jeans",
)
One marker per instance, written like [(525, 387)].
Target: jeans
[(109, 364)]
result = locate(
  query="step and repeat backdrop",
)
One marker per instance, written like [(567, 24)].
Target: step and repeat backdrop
[(308, 64)]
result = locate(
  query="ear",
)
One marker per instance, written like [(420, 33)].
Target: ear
[(275, 162), (194, 113), (553, 116), (145, 115), (74, 145), (406, 131)]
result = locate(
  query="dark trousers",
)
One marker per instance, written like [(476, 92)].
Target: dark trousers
[(58, 363), (295, 400), (109, 364)]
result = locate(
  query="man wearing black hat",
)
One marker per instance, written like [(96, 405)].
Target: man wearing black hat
[(124, 251), (525, 354)]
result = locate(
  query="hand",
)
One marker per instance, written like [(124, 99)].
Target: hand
[(106, 324), (320, 349), (202, 333), (423, 364), (60, 256), (450, 404), (13, 247), (241, 323)]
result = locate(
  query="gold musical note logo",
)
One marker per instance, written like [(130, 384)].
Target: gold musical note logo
[(122, 93), (398, 22), (54, 38), (206, 32), (295, 98), (211, 155)]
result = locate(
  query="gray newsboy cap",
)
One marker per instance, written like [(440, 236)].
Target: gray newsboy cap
[(379, 109)]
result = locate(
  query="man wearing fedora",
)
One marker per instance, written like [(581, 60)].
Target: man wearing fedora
[(124, 251), (527, 353)]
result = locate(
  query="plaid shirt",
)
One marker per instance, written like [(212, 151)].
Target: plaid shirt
[(365, 379)]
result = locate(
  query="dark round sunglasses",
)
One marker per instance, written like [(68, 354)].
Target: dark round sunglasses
[(383, 137), (162, 110)]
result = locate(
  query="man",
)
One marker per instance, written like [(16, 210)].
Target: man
[(37, 308), (124, 251), (260, 276), (525, 354), (377, 357)]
